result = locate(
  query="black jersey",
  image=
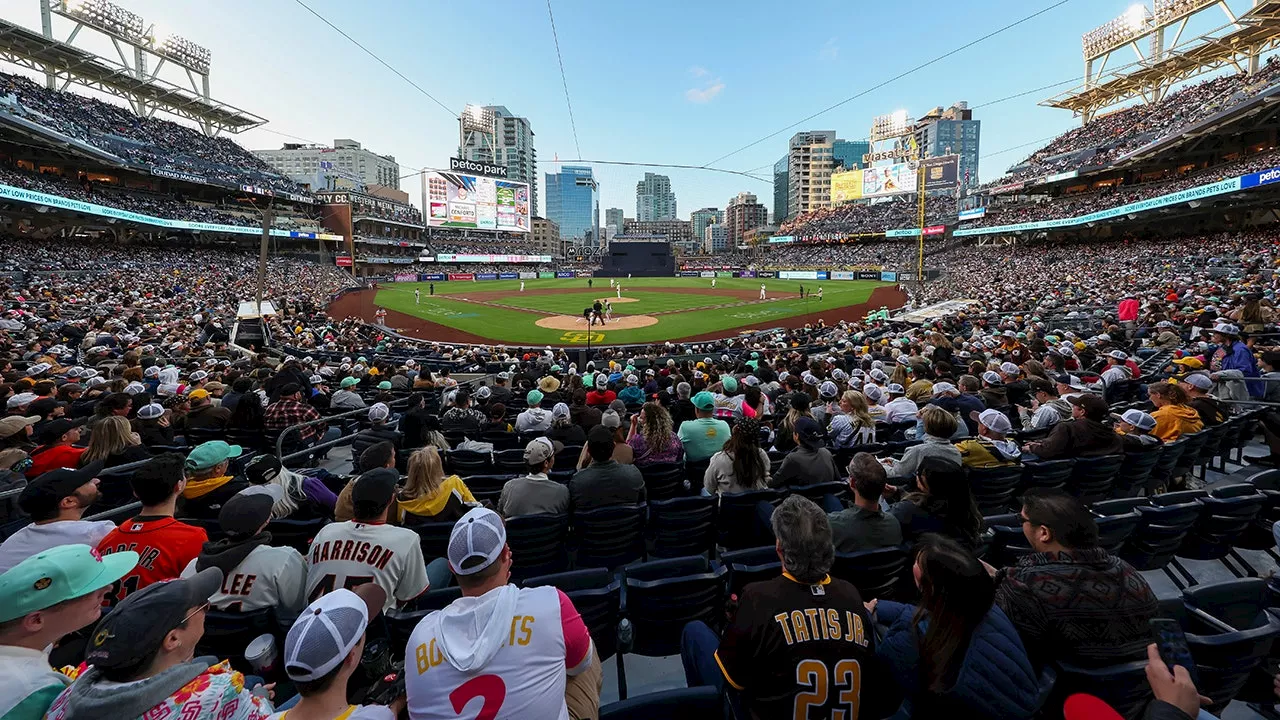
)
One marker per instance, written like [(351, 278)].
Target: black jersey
[(804, 651)]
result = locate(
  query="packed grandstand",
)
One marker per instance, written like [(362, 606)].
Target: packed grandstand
[(1017, 496)]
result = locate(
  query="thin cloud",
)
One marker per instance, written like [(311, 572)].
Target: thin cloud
[(704, 95), (699, 71), (830, 50)]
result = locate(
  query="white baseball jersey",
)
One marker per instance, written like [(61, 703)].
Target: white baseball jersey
[(347, 554), (267, 577), (521, 675)]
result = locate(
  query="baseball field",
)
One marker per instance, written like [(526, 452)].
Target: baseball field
[(647, 310)]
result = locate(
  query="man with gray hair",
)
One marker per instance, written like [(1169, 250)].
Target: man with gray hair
[(803, 631), (682, 409)]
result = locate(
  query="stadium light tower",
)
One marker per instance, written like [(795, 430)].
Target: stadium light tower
[(479, 124)]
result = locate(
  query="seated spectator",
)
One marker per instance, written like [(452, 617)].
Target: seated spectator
[(535, 493), (562, 428), (605, 481), (939, 426), (367, 549), (1134, 428), (462, 417), (956, 654), (15, 440), (1047, 409), (203, 415), (741, 466), (37, 614), (651, 437), (427, 494), (601, 394), (704, 435), (810, 463), (682, 410), (1197, 387), (857, 426), (255, 575), (145, 644), (208, 483), (497, 420), (413, 422), (900, 408), (583, 415), (382, 455), (768, 643), (56, 448), (991, 448), (943, 503), (379, 430), (166, 545), (501, 392), (622, 452), (346, 398), (248, 413), (323, 650), (56, 501), (153, 426), (1082, 436), (1174, 418), (631, 394), (1071, 600), (534, 419), (550, 669), (114, 443), (864, 526), (290, 410)]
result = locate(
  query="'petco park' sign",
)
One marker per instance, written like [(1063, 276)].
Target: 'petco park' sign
[(472, 167)]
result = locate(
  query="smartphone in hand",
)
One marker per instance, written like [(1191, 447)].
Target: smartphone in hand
[(1172, 644)]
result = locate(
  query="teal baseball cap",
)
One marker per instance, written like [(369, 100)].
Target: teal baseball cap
[(729, 383), (208, 454), (704, 401), (59, 574), (384, 385), (348, 382), (533, 398)]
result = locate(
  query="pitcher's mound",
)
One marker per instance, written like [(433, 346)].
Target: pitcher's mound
[(569, 322), (616, 300)]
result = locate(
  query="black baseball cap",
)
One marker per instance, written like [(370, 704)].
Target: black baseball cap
[(134, 629), (42, 495), (1095, 408), (243, 514), (809, 431), (375, 490), (263, 469), (50, 431)]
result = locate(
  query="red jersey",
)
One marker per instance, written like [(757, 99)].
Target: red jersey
[(58, 456), (164, 546), (595, 397)]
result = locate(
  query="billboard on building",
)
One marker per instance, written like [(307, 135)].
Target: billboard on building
[(476, 203), (888, 180), (942, 173), (846, 186)]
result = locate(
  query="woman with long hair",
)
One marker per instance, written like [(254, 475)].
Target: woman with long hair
[(651, 438), (741, 465), (956, 654), (942, 503), (1174, 417), (854, 425), (754, 403), (114, 443), (303, 497), (248, 413), (783, 440), (429, 496)]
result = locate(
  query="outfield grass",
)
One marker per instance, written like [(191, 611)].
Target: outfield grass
[(517, 326)]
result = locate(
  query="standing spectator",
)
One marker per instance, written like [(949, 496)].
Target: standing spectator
[(164, 545), (56, 501), (741, 466), (864, 526), (703, 436), (605, 481), (1071, 600), (39, 611), (651, 437), (535, 493), (810, 463), (1234, 355)]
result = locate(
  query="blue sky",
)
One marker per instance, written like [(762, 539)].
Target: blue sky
[(660, 81)]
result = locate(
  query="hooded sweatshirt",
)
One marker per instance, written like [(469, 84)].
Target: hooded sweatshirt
[(1174, 421), (213, 688), (530, 638), (535, 418)]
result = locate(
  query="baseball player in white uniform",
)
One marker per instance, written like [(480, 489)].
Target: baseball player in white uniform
[(619, 290), (521, 286), (417, 297), (366, 549), (254, 575), (608, 311), (761, 291), (713, 283), (501, 651)]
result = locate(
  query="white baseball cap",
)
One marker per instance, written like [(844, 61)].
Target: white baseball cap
[(1199, 381), (379, 412), (476, 541), (996, 420), (1136, 418), (326, 632)]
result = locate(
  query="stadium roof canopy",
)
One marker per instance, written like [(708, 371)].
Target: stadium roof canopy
[(29, 49), (1254, 33)]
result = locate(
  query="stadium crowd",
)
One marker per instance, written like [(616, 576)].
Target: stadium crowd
[(838, 221)]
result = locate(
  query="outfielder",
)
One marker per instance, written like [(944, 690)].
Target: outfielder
[(761, 291), (819, 293), (521, 286), (713, 283), (417, 297)]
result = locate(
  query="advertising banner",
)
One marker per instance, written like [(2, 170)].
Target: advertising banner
[(342, 261), (526, 275), (886, 276), (564, 275), (908, 232), (582, 273), (1266, 177), (822, 275), (797, 275), (868, 275), (843, 275), (426, 258), (779, 239), (888, 180), (464, 258), (484, 203), (1011, 187), (846, 186), (508, 276), (486, 276), (461, 276), (935, 230), (724, 274), (690, 273), (406, 277), (433, 277), (973, 214), (746, 274), (906, 277), (941, 173), (766, 274), (706, 274), (1059, 176), (546, 275), (172, 174)]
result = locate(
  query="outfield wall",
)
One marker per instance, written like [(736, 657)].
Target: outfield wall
[(877, 275)]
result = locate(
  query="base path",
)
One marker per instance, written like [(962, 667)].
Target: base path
[(569, 322)]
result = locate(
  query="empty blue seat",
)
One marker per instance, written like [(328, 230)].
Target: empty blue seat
[(662, 596), (751, 565), (537, 544), (698, 703), (682, 526), (609, 537), (876, 573)]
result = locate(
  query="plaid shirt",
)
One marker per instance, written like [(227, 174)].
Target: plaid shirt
[(283, 413)]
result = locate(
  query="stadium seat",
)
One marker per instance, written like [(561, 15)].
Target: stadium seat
[(487, 487), (736, 520), (226, 634), (1166, 520), (1006, 542), (465, 463), (751, 565), (1162, 473), (1046, 474), (567, 458), (662, 596), (1230, 438), (993, 488), (876, 573), (1122, 686), (695, 472), (1091, 479), (663, 480), (698, 703), (433, 536), (501, 440), (1190, 458), (537, 544), (401, 622), (682, 526), (1135, 471), (597, 595), (1212, 446), (609, 537), (818, 491), (510, 461), (1231, 634), (296, 534), (1227, 513), (1115, 528)]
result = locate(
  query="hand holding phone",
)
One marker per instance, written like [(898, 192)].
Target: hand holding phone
[(1171, 642)]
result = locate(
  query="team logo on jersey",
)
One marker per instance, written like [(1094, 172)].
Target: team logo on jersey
[(817, 590), (42, 583)]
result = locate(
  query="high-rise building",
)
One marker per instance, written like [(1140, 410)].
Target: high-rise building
[(742, 214), (546, 234), (511, 147), (781, 186), (809, 163), (573, 203), (952, 132), (715, 238), (704, 217), (848, 154), (613, 218), (344, 166), (654, 199)]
